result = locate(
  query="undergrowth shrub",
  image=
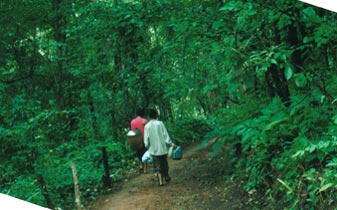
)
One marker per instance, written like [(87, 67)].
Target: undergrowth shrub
[(187, 131), (287, 154), (225, 120)]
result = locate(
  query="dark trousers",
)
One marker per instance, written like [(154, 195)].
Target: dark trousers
[(140, 153), (162, 165)]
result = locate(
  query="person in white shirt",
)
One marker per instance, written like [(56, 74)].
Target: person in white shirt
[(157, 140)]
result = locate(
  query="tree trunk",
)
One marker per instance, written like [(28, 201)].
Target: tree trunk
[(278, 83), (44, 190), (76, 187), (59, 25), (106, 177)]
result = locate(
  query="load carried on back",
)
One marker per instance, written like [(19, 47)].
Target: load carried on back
[(135, 139)]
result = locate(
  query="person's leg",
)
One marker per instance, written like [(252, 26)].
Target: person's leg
[(142, 166), (145, 168), (165, 168), (160, 177), (155, 169), (158, 161), (139, 157)]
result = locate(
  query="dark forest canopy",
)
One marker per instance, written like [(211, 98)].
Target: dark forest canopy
[(258, 75)]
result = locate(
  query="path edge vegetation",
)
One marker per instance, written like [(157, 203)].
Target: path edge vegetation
[(259, 76)]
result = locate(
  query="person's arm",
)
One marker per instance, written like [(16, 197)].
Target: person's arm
[(146, 137), (166, 136), (132, 125), (144, 121)]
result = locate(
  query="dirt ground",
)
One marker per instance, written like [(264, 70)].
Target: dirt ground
[(199, 182)]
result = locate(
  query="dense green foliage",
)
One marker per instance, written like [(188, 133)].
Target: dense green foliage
[(258, 76)]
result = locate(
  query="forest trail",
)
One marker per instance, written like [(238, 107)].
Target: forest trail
[(199, 182)]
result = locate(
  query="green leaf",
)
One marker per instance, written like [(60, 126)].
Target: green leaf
[(290, 190), (300, 80), (288, 73), (270, 125), (306, 39), (218, 24), (334, 119), (325, 187), (309, 12), (231, 6)]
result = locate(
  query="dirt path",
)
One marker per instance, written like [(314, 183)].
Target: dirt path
[(198, 182)]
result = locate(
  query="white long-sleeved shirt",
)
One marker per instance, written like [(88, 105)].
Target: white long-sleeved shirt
[(156, 137)]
